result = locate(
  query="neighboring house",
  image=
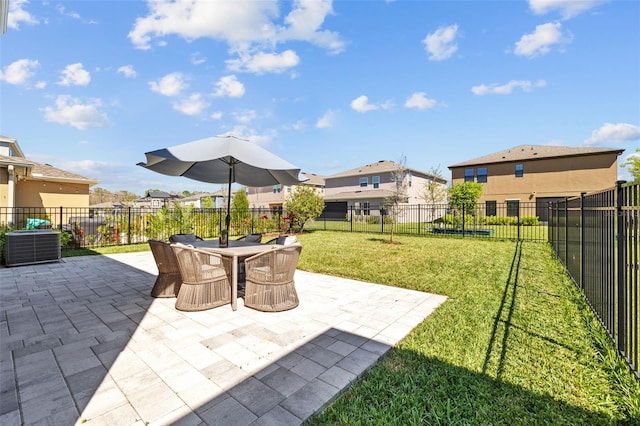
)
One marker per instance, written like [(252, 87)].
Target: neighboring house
[(540, 174), (365, 189), (156, 200), (273, 197), (198, 200), (28, 184)]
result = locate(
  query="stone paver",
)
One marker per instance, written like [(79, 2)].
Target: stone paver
[(82, 341)]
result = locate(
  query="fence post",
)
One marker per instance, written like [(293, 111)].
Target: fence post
[(61, 218), (463, 220), (582, 238), (419, 223), (566, 230), (129, 226), (518, 219), (351, 218), (622, 288)]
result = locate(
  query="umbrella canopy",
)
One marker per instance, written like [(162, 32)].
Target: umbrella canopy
[(224, 159)]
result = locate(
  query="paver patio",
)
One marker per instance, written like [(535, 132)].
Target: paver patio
[(83, 342)]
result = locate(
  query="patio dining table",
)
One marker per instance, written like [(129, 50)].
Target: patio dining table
[(237, 251)]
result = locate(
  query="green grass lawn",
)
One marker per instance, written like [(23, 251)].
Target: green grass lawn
[(515, 343)]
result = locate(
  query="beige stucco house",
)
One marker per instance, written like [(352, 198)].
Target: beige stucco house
[(538, 174), (27, 185), (272, 198), (365, 189)]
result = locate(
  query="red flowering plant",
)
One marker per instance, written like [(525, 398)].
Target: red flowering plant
[(287, 223)]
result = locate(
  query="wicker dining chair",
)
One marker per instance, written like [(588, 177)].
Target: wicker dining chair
[(205, 280), (169, 278), (269, 279), (184, 238), (251, 238)]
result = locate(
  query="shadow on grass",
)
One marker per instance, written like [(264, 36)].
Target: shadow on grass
[(443, 394)]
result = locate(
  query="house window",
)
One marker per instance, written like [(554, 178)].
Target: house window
[(482, 175), (156, 203), (490, 208), (366, 207), (513, 208), (519, 170), (277, 188), (469, 174), (364, 182), (288, 190), (376, 182), (409, 179), (356, 207)]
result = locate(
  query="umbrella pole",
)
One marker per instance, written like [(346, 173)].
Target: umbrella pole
[(228, 218)]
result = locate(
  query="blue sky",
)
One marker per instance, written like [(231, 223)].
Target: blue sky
[(90, 86)]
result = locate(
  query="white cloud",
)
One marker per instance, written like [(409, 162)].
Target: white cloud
[(614, 133), (507, 89), (217, 115), (264, 62), (361, 104), (441, 44), (249, 29), (61, 9), (127, 70), (19, 72), (229, 86), (198, 59), (419, 100), (169, 85), (567, 8), (305, 21), (326, 121), (193, 105), (541, 40), (72, 112), (74, 75), (18, 15), (245, 117)]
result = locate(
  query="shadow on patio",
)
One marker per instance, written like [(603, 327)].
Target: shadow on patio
[(84, 342)]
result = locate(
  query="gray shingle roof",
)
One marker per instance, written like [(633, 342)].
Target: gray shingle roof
[(535, 152), (382, 166)]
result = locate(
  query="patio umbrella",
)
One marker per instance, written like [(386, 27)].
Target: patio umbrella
[(224, 159)]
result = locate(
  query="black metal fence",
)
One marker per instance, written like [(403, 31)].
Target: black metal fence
[(597, 238), (99, 227), (511, 220)]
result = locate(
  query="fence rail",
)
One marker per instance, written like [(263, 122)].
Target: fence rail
[(497, 220), (96, 227), (597, 238)]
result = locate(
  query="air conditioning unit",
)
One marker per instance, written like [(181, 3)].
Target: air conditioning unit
[(31, 246)]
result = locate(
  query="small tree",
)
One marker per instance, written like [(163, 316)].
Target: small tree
[(394, 203), (303, 204), (632, 164), (240, 210), (434, 192), (464, 196)]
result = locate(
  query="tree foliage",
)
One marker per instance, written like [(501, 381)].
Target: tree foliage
[(464, 196), (303, 204), (240, 210), (632, 164)]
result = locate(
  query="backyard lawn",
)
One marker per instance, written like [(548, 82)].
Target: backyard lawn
[(515, 343)]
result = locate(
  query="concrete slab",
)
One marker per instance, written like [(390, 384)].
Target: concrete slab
[(82, 341)]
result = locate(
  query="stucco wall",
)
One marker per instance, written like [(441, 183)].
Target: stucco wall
[(556, 177), (51, 194)]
